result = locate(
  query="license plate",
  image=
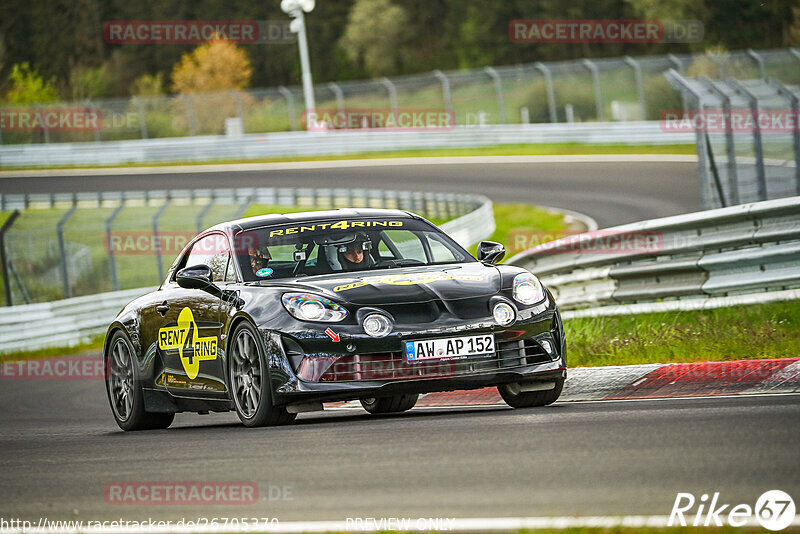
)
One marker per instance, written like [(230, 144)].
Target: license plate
[(449, 348)]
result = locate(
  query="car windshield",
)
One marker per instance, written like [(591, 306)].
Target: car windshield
[(346, 245)]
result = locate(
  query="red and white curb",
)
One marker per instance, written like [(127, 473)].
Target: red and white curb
[(652, 381)]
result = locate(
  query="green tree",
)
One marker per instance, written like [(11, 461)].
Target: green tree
[(27, 86), (375, 36)]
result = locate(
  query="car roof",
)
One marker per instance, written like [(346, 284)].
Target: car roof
[(259, 221)]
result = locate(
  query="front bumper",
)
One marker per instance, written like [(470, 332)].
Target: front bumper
[(309, 366)]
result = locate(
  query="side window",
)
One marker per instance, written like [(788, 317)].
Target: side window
[(440, 252), (213, 251), (408, 244)]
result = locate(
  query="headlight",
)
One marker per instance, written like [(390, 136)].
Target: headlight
[(377, 325), (504, 314), (528, 289), (308, 307)]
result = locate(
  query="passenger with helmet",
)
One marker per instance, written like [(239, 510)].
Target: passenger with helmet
[(354, 256), (259, 258)]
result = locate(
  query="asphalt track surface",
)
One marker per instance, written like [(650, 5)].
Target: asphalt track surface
[(60, 447), (611, 192)]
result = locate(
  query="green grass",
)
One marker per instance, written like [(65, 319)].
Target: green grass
[(733, 333), (521, 218), (543, 149)]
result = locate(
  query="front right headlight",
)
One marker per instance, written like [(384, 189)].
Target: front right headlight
[(528, 289), (309, 307)]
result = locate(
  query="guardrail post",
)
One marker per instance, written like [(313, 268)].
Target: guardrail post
[(287, 94), (112, 260), (759, 61), (598, 92), (733, 180), (498, 89), (637, 72), (794, 102), (3, 257), (334, 87), (243, 208), (760, 172), (142, 118), (392, 90), (187, 100), (62, 247), (551, 97), (448, 99), (156, 240)]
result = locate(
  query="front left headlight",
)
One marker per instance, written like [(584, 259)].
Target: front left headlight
[(528, 289), (309, 307)]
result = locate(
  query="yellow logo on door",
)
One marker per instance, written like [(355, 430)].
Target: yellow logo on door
[(192, 348)]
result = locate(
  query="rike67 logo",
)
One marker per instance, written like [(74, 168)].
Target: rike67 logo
[(774, 510)]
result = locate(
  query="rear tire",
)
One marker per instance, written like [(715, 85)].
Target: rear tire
[(393, 404), (124, 388), (529, 399), (250, 386)]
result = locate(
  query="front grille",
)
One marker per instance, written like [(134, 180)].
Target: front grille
[(393, 365)]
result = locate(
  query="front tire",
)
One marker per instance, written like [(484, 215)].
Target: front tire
[(393, 404), (124, 388), (527, 399), (249, 381)]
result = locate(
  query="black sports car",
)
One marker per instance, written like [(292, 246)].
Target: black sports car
[(274, 315)]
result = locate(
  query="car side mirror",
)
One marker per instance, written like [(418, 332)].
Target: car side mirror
[(490, 252), (199, 277), (195, 277)]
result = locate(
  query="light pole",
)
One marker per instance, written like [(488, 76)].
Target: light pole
[(295, 9)]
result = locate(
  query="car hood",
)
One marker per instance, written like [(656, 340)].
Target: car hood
[(410, 284)]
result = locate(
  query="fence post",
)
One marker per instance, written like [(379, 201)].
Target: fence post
[(719, 62), (237, 100), (448, 99), (45, 129), (551, 97), (62, 248), (156, 241), (112, 260), (760, 172), (598, 92), (676, 61), (762, 68), (702, 162), (392, 90), (795, 52), (203, 213), (336, 90), (733, 180), (498, 88), (794, 103), (287, 94), (637, 72), (142, 118), (3, 257), (189, 114)]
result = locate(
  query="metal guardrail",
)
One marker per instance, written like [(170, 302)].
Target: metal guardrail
[(72, 321), (289, 144), (749, 249)]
